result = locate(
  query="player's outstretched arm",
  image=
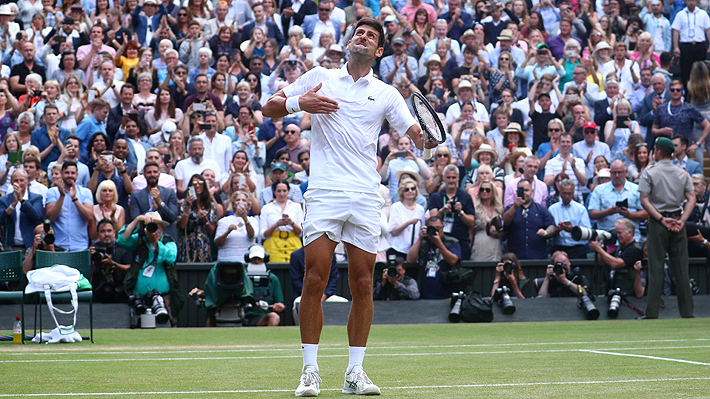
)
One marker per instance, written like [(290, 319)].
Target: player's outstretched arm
[(310, 101)]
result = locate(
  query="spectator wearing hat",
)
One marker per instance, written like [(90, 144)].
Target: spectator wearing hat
[(485, 155), (337, 56), (513, 141), (538, 63), (657, 25), (663, 188), (409, 173), (465, 94), (505, 44), (590, 148), (458, 20), (398, 62), (455, 208), (279, 171), (11, 28), (434, 71), (602, 55), (313, 25)]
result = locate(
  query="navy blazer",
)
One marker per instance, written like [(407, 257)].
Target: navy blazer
[(31, 213), (646, 115), (308, 7), (140, 22), (141, 203), (309, 26), (601, 117), (273, 32)]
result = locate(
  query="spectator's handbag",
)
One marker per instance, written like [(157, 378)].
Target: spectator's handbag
[(475, 309), (58, 278)]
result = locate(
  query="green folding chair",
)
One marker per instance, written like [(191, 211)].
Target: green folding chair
[(81, 261), (11, 272)]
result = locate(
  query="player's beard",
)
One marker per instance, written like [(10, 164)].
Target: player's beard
[(360, 52)]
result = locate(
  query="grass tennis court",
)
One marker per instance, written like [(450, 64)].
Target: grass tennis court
[(598, 359)]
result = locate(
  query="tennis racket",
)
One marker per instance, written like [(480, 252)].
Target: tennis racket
[(429, 121)]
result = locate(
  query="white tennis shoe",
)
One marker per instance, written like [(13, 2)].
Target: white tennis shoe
[(357, 383), (310, 383)]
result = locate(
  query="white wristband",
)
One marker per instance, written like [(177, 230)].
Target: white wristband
[(292, 105)]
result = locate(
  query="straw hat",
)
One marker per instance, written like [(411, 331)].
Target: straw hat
[(486, 148), (409, 171), (514, 127)]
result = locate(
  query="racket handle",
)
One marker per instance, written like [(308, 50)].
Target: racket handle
[(427, 153)]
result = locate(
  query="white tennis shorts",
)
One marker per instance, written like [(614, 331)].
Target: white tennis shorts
[(346, 216)]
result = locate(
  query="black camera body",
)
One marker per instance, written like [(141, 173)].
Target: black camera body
[(509, 267), (559, 268), (431, 231), (457, 299), (100, 253)]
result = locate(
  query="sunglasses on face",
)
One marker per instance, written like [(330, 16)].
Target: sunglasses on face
[(251, 80), (676, 90), (485, 189), (408, 189), (291, 132), (553, 130), (442, 155)]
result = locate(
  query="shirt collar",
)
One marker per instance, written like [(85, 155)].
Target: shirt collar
[(344, 73)]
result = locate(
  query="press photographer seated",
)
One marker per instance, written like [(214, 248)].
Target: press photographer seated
[(625, 264), (151, 279), (44, 241), (560, 280), (394, 284), (510, 275), (109, 265)]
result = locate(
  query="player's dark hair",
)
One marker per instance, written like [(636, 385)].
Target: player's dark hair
[(372, 23)]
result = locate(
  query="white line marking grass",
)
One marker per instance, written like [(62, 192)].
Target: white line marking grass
[(346, 355), (112, 351), (602, 352), (420, 387)]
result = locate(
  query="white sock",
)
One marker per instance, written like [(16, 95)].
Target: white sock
[(357, 354), (310, 355)]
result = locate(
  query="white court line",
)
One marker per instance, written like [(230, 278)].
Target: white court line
[(644, 356), (523, 384), (296, 348), (299, 356)]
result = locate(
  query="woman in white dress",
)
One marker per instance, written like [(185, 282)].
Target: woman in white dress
[(405, 214), (486, 239)]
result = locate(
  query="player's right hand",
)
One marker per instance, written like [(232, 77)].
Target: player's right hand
[(314, 103)]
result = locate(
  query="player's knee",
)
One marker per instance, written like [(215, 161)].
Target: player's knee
[(315, 279), (274, 319), (362, 284)]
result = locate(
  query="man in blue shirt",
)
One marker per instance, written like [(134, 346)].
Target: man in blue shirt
[(71, 209), (49, 137), (567, 214), (93, 123), (605, 202), (529, 225)]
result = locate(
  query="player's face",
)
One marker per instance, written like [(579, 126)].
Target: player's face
[(365, 42)]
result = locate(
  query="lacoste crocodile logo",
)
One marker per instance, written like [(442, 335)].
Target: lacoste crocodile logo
[(371, 98)]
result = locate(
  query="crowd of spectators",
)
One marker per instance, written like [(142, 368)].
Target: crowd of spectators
[(113, 109)]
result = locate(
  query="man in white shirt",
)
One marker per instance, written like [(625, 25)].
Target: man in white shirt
[(465, 94), (193, 165), (108, 85), (217, 147), (348, 107), (691, 27), (566, 162)]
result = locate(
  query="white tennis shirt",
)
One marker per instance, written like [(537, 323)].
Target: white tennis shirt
[(344, 143)]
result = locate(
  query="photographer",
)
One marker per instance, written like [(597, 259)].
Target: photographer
[(509, 274), (558, 281), (624, 272), (152, 274), (438, 254), (271, 294), (106, 273), (394, 284), (529, 224), (44, 241)]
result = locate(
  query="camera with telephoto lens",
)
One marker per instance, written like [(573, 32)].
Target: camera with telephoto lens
[(158, 306), (615, 297), (586, 302), (457, 299), (151, 227), (47, 237), (502, 296), (580, 233), (135, 301), (509, 267)]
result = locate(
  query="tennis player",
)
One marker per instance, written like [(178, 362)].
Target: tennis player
[(348, 107)]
